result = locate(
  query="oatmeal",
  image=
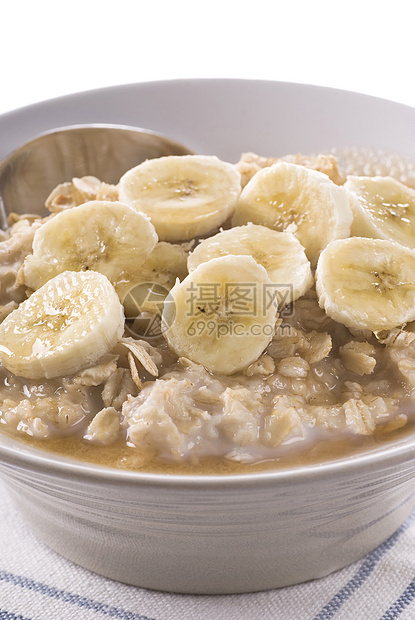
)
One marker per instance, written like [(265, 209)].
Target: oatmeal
[(210, 313)]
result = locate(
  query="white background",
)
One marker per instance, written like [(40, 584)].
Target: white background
[(48, 50)]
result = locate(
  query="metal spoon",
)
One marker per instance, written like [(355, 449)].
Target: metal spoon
[(30, 173)]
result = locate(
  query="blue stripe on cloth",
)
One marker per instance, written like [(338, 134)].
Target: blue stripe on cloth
[(401, 603), (365, 570), (8, 615), (69, 597)]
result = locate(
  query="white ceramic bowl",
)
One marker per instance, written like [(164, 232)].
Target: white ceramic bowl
[(218, 534)]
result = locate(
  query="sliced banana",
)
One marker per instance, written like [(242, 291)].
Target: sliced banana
[(384, 209), (166, 263), (109, 237), (280, 253), (184, 196), (222, 315), (291, 197), (146, 292), (66, 325), (367, 283)]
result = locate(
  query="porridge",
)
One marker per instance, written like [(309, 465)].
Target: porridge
[(202, 316)]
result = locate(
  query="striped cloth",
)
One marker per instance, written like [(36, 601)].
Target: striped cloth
[(37, 584)]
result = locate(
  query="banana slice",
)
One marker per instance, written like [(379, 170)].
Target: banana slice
[(185, 196), (222, 315), (291, 197), (384, 209), (147, 291), (367, 283), (109, 237), (166, 263), (280, 253), (66, 325)]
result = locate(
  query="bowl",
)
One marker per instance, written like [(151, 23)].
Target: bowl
[(218, 533)]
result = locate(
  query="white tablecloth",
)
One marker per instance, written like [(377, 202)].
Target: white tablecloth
[(37, 584)]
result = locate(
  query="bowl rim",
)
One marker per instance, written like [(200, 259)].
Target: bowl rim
[(162, 83), (11, 453), (46, 462)]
